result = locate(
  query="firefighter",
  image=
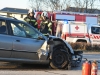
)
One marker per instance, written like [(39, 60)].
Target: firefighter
[(31, 19), (46, 24)]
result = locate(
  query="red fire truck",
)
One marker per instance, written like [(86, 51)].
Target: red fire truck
[(70, 16)]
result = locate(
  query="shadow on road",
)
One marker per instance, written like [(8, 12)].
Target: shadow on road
[(16, 66)]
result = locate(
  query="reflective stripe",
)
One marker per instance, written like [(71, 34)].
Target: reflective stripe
[(27, 20), (36, 23), (50, 29), (46, 22), (45, 34), (33, 20), (49, 24)]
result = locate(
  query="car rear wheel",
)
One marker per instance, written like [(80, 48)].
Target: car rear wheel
[(59, 58)]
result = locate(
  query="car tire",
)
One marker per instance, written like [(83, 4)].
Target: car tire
[(59, 58), (69, 67)]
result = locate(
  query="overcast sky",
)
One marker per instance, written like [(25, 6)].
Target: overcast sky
[(24, 4), (14, 3)]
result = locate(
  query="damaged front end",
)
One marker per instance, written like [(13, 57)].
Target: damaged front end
[(43, 51), (77, 58), (47, 50)]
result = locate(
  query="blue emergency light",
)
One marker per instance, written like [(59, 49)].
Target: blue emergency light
[(65, 21)]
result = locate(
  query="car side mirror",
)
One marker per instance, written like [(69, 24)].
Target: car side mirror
[(40, 37)]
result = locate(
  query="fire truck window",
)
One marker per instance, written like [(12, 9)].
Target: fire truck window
[(95, 30)]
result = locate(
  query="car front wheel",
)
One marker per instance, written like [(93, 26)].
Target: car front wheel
[(59, 58)]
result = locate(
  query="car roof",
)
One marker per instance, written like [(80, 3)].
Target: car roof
[(9, 18)]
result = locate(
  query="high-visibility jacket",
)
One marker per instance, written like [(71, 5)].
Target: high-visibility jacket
[(46, 27), (32, 21)]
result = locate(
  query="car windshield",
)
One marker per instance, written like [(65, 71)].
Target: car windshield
[(23, 30)]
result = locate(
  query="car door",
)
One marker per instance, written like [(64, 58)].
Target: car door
[(25, 43), (5, 40)]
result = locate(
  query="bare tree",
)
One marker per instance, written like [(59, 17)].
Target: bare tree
[(84, 5), (36, 4), (49, 4), (54, 4), (68, 5), (80, 5), (58, 4), (92, 6)]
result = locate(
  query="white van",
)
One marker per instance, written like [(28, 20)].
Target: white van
[(81, 32)]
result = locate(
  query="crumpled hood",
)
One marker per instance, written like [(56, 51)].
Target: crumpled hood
[(68, 45)]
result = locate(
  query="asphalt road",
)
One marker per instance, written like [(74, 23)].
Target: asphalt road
[(25, 69)]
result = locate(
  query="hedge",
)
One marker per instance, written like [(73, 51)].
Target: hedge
[(85, 46)]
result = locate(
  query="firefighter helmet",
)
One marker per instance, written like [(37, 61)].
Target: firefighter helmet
[(31, 11), (44, 14)]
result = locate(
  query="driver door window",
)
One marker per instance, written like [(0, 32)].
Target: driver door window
[(23, 30), (17, 31)]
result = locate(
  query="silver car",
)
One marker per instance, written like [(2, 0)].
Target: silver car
[(20, 42)]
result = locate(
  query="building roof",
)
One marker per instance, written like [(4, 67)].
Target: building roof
[(14, 10)]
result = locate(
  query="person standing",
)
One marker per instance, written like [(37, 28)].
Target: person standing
[(46, 24), (31, 19)]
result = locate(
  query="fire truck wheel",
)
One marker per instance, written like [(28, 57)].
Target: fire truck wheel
[(59, 58)]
